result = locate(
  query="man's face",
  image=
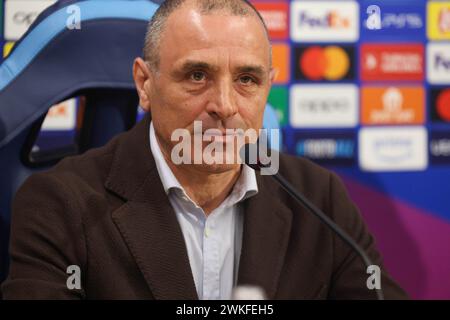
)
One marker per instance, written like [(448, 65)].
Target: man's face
[(214, 69)]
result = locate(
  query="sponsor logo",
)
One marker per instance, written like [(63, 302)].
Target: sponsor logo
[(325, 148), (19, 15), (7, 47), (438, 63), (440, 105), (440, 147), (279, 100), (392, 105), (444, 20), (280, 60), (383, 62), (61, 116), (324, 106), (438, 20), (393, 149), (276, 17), (330, 63), (393, 19), (313, 21)]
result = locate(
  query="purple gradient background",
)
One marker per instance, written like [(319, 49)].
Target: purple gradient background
[(413, 242)]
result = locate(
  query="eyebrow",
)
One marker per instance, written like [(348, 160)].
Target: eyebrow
[(190, 65), (253, 69)]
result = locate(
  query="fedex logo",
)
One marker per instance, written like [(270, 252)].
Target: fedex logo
[(438, 63), (441, 61), (323, 21), (331, 19)]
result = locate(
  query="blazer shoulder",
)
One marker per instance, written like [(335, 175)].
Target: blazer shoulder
[(87, 171), (303, 172)]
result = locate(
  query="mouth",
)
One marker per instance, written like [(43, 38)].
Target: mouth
[(221, 132), (219, 137)]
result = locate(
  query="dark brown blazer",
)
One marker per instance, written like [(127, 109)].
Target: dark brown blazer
[(106, 211)]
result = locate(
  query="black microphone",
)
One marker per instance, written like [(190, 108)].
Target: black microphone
[(250, 155)]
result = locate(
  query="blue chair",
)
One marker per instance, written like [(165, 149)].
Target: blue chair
[(52, 63)]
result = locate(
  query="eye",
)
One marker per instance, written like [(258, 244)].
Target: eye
[(197, 76), (246, 80)]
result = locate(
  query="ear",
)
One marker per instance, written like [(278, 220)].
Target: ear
[(143, 80), (273, 74)]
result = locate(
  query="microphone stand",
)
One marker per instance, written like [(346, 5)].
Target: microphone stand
[(325, 219)]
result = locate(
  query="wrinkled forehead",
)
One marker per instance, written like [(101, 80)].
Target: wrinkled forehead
[(191, 34)]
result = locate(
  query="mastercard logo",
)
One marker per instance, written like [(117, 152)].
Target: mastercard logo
[(443, 105), (330, 63)]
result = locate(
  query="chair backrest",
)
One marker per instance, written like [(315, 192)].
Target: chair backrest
[(52, 63)]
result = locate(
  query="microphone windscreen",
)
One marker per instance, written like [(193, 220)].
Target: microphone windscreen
[(249, 154)]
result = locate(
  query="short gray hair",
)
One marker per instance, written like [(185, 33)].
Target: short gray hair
[(157, 23)]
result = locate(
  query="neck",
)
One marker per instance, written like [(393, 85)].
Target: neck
[(207, 190)]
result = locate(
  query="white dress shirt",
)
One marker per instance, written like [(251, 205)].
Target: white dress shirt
[(213, 242)]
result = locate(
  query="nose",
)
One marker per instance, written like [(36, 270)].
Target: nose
[(222, 104)]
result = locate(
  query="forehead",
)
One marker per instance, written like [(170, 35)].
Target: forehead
[(215, 37)]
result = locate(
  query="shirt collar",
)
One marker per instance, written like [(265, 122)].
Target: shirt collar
[(245, 187)]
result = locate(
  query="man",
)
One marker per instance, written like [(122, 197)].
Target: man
[(131, 223)]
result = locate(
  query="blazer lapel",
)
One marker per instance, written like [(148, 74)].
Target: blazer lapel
[(147, 221), (154, 238), (151, 231), (267, 224)]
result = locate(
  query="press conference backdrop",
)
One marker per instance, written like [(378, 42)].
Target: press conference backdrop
[(364, 89)]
